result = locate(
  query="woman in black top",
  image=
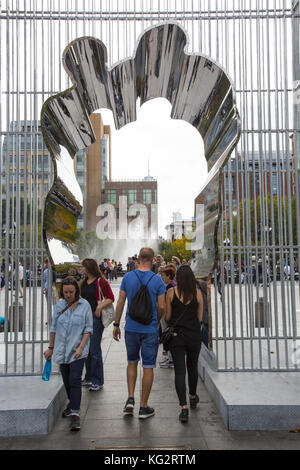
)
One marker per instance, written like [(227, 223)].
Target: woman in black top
[(93, 287), (184, 304)]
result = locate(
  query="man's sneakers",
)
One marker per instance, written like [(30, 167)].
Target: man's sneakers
[(146, 412), (95, 388), (129, 405)]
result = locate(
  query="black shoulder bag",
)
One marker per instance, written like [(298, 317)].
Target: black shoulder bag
[(170, 332)]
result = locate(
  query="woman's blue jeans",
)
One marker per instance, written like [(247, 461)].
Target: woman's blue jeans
[(71, 374), (94, 361)]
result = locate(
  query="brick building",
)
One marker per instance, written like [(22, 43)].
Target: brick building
[(93, 169), (257, 174), (134, 198)]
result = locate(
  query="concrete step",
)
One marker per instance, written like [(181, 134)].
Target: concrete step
[(30, 406), (261, 401)]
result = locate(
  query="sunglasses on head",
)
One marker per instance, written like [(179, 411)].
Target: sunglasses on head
[(66, 282)]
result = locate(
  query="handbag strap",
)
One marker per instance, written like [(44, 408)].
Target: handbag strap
[(67, 306), (101, 294)]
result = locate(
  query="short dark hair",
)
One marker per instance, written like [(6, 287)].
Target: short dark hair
[(69, 281), (146, 254)]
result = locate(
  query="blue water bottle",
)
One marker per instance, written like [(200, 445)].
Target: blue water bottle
[(47, 371)]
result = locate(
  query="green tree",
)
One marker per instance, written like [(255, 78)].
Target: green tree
[(248, 216), (175, 248)]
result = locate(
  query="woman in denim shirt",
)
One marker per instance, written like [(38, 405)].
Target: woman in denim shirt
[(70, 332)]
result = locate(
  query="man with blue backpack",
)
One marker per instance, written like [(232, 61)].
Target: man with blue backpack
[(145, 293)]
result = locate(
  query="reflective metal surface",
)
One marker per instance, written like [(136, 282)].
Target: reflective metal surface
[(200, 93), (258, 45)]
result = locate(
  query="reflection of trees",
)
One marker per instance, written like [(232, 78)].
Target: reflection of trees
[(254, 211)]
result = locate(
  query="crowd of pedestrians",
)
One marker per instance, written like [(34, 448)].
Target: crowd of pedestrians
[(157, 295)]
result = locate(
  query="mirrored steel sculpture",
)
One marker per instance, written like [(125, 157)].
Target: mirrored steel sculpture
[(200, 93)]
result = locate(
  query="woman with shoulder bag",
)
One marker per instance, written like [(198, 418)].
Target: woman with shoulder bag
[(168, 276), (184, 310), (94, 287), (70, 332)]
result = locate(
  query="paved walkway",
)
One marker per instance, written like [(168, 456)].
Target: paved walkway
[(104, 426)]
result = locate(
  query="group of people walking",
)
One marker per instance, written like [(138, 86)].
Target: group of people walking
[(172, 297)]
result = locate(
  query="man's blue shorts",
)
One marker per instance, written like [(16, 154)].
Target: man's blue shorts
[(146, 343)]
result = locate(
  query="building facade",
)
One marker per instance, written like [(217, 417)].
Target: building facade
[(131, 199), (179, 227), (93, 170), (26, 163), (266, 173)]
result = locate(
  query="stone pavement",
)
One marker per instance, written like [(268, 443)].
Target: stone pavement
[(103, 425)]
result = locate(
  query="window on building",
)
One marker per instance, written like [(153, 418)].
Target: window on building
[(111, 196), (147, 196), (132, 196)]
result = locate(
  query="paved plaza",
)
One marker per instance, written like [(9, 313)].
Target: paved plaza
[(103, 425)]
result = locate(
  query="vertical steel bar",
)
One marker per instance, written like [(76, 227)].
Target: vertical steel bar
[(288, 176)]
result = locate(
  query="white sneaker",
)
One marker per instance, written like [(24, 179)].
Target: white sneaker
[(166, 364), (95, 388)]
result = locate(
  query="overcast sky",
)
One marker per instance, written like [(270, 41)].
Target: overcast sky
[(175, 152)]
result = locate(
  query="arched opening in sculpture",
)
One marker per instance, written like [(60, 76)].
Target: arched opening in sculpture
[(200, 93)]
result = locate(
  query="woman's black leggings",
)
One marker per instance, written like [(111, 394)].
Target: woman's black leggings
[(185, 356)]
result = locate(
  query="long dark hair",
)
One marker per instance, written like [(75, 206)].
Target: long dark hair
[(186, 283), (92, 267)]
